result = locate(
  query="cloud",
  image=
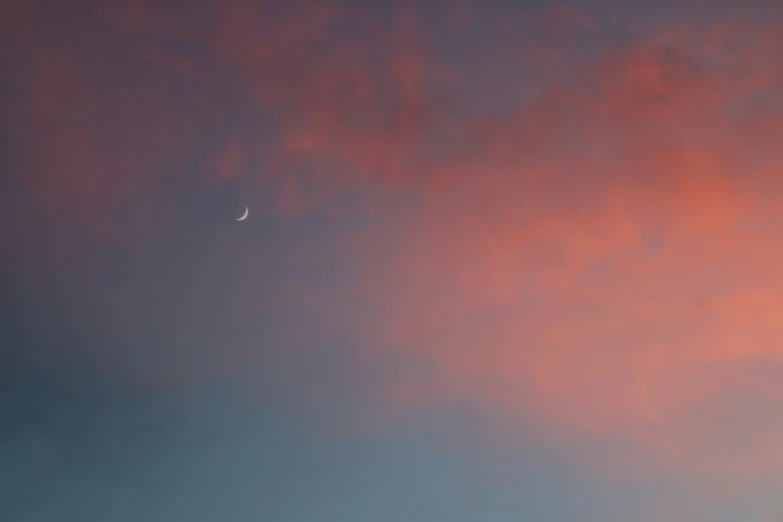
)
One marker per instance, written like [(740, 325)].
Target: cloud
[(560, 264), (584, 230)]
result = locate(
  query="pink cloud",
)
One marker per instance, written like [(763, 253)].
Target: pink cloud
[(563, 264), (598, 248)]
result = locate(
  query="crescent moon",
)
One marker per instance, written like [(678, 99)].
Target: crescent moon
[(244, 215)]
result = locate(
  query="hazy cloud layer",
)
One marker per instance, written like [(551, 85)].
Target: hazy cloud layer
[(562, 218)]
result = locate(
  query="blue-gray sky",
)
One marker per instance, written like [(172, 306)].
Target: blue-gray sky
[(504, 261)]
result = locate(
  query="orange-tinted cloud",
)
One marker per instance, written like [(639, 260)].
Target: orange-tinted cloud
[(605, 255), (593, 239)]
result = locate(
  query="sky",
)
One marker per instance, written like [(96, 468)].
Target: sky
[(505, 260)]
